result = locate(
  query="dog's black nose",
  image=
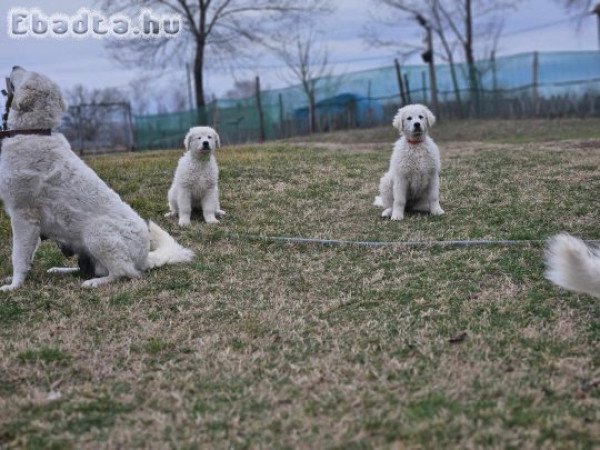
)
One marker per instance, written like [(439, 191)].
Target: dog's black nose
[(417, 125), (206, 145)]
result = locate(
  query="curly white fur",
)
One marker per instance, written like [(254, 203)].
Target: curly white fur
[(47, 190), (573, 265), (413, 179), (196, 181)]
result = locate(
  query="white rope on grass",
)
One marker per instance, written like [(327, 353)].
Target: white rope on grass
[(378, 244)]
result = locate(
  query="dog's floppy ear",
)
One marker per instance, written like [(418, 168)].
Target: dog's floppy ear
[(430, 117), (187, 139), (397, 122)]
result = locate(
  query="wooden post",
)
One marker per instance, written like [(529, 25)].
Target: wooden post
[(188, 72), (215, 112), (432, 76), (424, 87), (132, 134), (534, 81), (596, 11), (400, 83), (281, 116), (407, 87), (495, 96), (261, 118)]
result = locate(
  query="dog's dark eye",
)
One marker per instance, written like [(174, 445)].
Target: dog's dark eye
[(420, 117), (409, 118), (210, 137)]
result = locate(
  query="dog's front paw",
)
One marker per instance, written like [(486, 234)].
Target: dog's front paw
[(397, 214), (387, 213), (437, 210), (220, 213), (184, 222), (212, 221), (96, 282), (170, 214), (9, 287)]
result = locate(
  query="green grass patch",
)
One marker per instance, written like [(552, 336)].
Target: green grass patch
[(259, 344)]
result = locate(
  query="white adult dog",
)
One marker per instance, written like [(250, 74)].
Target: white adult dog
[(48, 191), (413, 179), (196, 181), (573, 265)]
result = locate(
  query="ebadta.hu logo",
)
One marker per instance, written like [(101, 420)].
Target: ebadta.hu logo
[(28, 23)]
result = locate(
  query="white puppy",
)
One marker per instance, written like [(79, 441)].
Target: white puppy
[(573, 265), (196, 181), (413, 179), (48, 191)]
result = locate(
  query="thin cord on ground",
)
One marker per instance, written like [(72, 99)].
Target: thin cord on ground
[(377, 244)]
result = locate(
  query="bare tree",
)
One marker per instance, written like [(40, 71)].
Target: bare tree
[(458, 24), (79, 95), (98, 118), (308, 63), (222, 31)]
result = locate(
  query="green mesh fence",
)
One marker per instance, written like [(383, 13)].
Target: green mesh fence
[(533, 84)]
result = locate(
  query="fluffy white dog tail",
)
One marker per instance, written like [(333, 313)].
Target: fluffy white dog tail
[(378, 202), (573, 265), (164, 249)]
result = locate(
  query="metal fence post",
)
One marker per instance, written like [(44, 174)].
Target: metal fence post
[(407, 86), (400, 82), (281, 116), (534, 82), (261, 119)]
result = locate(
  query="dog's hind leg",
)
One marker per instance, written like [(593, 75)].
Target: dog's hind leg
[(385, 198), (26, 239), (172, 204), (114, 253)]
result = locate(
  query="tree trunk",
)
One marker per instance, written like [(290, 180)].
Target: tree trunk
[(202, 116), (473, 83), (455, 86), (199, 76), (312, 112)]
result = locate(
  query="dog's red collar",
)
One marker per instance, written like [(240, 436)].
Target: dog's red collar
[(414, 141)]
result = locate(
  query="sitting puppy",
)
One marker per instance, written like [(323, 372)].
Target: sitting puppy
[(413, 179), (49, 192), (195, 185)]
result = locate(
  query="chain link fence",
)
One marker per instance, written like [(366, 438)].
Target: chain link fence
[(543, 85)]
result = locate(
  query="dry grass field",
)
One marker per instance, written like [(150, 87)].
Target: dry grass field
[(259, 344)]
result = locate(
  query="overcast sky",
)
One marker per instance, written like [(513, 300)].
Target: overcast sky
[(87, 62)]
